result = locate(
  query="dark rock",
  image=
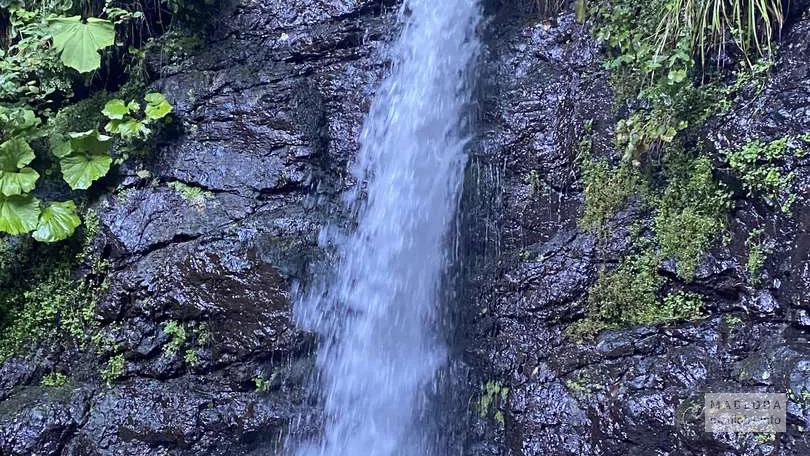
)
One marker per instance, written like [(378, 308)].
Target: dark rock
[(633, 391), (268, 113)]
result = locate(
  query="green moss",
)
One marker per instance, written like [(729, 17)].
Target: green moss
[(49, 303), (52, 303), (174, 42), (758, 166), (678, 306), (113, 370), (757, 255), (54, 380), (81, 116), (629, 295), (194, 195), (606, 189), (492, 394), (577, 388), (690, 213), (12, 254)]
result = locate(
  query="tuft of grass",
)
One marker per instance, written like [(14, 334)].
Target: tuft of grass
[(706, 24)]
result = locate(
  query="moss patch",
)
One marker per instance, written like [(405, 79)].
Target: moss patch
[(658, 159), (606, 189), (631, 295), (690, 212), (757, 165), (47, 301)]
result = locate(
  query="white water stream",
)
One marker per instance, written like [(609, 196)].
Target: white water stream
[(381, 346)]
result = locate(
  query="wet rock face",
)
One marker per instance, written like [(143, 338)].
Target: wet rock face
[(633, 391), (212, 236)]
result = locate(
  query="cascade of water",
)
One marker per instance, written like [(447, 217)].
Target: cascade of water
[(377, 315)]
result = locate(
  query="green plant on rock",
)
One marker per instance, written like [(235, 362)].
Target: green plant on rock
[(642, 131), (54, 380), (679, 306), (580, 385), (133, 123), (690, 212), (113, 370), (757, 164), (125, 119), (263, 385), (656, 53), (619, 296), (606, 188), (629, 295), (758, 253), (493, 393), (194, 195), (749, 78), (49, 303), (84, 157), (191, 358), (44, 40), (177, 332), (627, 27)]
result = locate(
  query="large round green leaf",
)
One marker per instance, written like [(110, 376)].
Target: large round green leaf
[(19, 214), (90, 141), (19, 122), (157, 107), (80, 170), (79, 42), (61, 148), (18, 182), (57, 222), (14, 154), (115, 109), (129, 129)]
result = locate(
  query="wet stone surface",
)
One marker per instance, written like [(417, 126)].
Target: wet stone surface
[(632, 391)]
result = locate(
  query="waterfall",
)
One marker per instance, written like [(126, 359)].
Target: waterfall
[(378, 313)]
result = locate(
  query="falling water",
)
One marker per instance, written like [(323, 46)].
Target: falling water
[(378, 313)]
